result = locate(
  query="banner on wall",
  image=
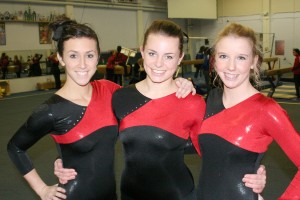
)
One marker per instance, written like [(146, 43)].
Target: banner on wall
[(279, 47), (45, 33), (2, 34)]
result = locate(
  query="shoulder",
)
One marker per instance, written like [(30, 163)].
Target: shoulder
[(195, 99), (268, 107), (126, 92), (44, 112), (105, 84), (193, 104)]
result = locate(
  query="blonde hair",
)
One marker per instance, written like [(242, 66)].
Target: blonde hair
[(239, 30)]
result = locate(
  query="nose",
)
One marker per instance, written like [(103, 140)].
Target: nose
[(82, 63), (159, 61), (231, 65)]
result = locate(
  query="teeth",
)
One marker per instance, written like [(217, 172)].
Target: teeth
[(158, 71), (230, 76), (82, 73)]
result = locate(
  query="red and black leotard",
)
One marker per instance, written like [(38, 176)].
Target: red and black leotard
[(232, 142), (154, 133), (86, 138)]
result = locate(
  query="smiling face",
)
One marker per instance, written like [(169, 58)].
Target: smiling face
[(80, 58), (161, 56), (233, 61)]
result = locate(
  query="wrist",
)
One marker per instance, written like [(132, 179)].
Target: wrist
[(41, 190)]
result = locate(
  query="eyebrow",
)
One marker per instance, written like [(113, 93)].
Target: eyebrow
[(73, 51), (241, 54), (164, 54)]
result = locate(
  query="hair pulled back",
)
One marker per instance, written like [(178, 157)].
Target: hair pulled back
[(165, 27), (65, 29), (238, 30)]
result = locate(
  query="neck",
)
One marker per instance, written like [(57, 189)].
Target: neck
[(156, 90), (234, 96), (77, 94)]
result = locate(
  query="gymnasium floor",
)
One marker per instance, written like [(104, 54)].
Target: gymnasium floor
[(16, 108)]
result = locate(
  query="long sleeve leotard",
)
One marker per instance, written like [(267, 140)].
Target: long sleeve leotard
[(232, 142), (85, 136), (154, 133)]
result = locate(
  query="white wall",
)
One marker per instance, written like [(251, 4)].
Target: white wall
[(285, 26), (114, 27), (119, 27), (27, 84), (25, 36)]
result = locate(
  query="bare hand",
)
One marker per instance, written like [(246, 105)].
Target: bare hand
[(256, 181), (63, 174), (185, 87), (53, 193)]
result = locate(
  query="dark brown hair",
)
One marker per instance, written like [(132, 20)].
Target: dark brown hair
[(65, 29), (165, 27)]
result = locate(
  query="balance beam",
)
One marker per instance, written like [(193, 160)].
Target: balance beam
[(188, 62), (275, 82), (274, 72), (269, 61)]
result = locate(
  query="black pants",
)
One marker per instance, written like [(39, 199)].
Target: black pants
[(56, 74), (110, 74), (4, 72), (297, 84)]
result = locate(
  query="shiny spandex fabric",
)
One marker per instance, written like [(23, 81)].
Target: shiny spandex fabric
[(86, 138), (232, 142), (154, 133)]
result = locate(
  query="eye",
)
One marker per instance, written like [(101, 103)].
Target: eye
[(90, 55), (168, 57), (151, 53), (73, 56), (222, 56), (241, 58)]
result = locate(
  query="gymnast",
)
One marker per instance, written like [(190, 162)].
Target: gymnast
[(78, 117), (240, 122)]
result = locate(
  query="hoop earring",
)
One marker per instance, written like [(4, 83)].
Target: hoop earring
[(215, 79)]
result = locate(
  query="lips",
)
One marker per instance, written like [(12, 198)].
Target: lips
[(231, 77), (158, 71), (82, 73)]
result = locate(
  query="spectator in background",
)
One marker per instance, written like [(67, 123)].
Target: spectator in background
[(199, 55), (121, 60), (54, 64), (36, 67), (30, 65), (116, 58), (110, 66), (18, 66), (4, 61), (296, 71), (138, 72), (206, 67)]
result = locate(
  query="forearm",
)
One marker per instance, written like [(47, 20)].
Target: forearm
[(293, 190), (35, 182)]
